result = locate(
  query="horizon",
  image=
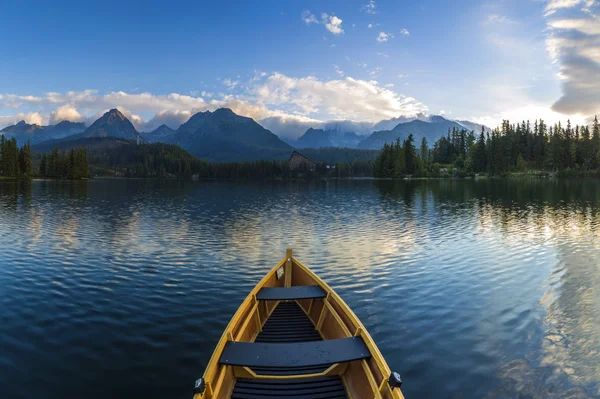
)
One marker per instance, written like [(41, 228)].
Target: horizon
[(291, 67)]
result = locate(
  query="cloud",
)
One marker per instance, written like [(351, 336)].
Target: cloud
[(369, 8), (34, 118), (501, 19), (574, 44), (332, 23), (308, 18), (402, 76), (65, 113), (346, 98), (338, 70), (375, 72), (289, 100), (554, 5), (525, 112), (370, 26), (230, 83), (404, 32), (384, 37)]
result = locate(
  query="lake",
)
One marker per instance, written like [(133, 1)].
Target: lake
[(471, 289)]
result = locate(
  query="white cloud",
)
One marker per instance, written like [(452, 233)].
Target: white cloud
[(402, 76), (369, 8), (384, 37), (308, 17), (501, 19), (230, 83), (526, 112), (385, 55), (65, 113), (341, 99), (574, 44), (553, 5), (338, 70), (291, 99), (389, 85), (375, 72), (404, 32), (33, 118), (370, 26), (332, 23)]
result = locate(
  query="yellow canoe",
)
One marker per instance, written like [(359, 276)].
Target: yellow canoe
[(294, 337)]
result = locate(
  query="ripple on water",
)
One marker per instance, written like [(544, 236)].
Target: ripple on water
[(486, 289)]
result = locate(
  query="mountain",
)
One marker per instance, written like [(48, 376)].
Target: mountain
[(318, 138), (473, 126), (63, 129), (225, 136), (434, 129), (112, 124), (23, 131), (161, 134)]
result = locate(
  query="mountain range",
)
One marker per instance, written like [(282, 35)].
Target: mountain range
[(23, 131), (434, 129), (318, 138), (224, 136)]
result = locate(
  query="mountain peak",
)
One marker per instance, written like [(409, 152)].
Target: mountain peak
[(115, 113), (224, 111), (437, 119), (21, 123), (112, 124)]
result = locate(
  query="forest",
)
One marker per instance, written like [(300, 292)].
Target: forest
[(21, 163), (15, 162), (511, 148), (111, 157)]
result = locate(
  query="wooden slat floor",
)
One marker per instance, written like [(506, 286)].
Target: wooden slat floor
[(288, 323)]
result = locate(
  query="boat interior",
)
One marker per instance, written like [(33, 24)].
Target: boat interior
[(294, 337)]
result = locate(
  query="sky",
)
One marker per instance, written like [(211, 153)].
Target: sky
[(293, 64)]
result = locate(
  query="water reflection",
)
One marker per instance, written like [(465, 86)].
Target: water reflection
[(488, 287)]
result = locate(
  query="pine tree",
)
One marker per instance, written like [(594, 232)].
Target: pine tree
[(410, 155), (595, 151), (25, 161), (43, 165), (2, 155), (479, 155), (424, 153)]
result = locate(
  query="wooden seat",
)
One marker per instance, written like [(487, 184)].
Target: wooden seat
[(299, 354), (291, 293), (288, 323)]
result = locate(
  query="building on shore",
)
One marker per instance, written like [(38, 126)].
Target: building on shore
[(301, 163)]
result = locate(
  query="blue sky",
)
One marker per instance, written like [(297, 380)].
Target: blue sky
[(299, 63)]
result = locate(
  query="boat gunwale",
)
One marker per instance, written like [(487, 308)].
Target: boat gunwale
[(213, 364), (360, 330)]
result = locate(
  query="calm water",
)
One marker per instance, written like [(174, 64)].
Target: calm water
[(121, 289)]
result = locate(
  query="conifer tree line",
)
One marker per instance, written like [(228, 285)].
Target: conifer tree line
[(14, 161), (509, 148), (72, 164), (18, 162)]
